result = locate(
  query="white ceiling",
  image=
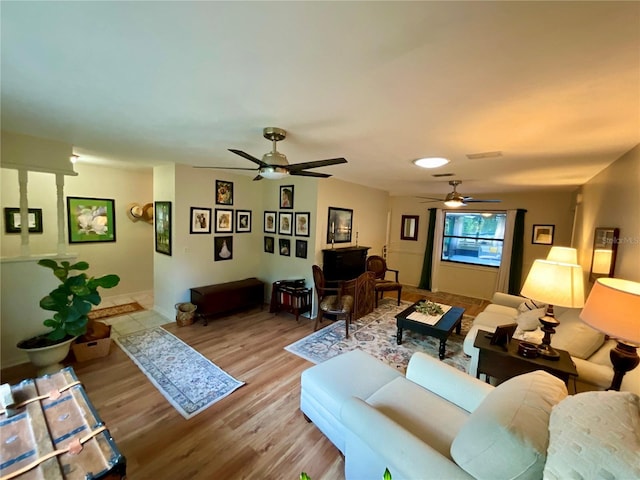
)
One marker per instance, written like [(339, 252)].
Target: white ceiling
[(555, 86)]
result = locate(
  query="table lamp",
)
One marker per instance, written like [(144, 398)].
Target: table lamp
[(563, 255), (553, 283), (613, 307)]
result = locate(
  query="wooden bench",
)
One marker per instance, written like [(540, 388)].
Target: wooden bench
[(227, 297)]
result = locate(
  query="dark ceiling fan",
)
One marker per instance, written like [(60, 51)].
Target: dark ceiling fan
[(455, 199), (274, 164)]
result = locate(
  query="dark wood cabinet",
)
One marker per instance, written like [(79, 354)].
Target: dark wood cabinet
[(344, 263), (227, 297)]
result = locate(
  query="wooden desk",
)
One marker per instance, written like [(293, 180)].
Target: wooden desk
[(500, 363)]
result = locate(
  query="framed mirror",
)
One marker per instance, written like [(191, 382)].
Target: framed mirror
[(603, 257), (409, 230)]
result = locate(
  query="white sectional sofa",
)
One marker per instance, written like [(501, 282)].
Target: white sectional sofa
[(439, 422), (588, 348)]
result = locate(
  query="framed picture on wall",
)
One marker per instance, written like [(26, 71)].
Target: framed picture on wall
[(286, 196), (13, 222), (285, 247), (285, 219), (200, 220), (268, 244), (270, 219), (302, 224), (224, 192), (243, 221), (339, 225), (301, 248), (91, 219), (162, 225), (542, 234), (222, 248), (224, 221)]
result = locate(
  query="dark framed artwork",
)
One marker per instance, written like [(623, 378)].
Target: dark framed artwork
[(286, 196), (301, 248), (200, 220), (270, 222), (339, 225), (13, 222), (243, 221), (224, 192), (285, 221), (268, 244), (302, 223), (224, 220), (409, 227), (542, 234), (91, 219), (222, 248), (285, 247), (162, 225)]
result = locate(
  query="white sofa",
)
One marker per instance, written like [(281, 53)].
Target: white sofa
[(438, 422), (587, 347)]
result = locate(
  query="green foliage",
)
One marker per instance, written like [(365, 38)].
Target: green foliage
[(429, 308), (385, 476), (304, 476), (73, 299)]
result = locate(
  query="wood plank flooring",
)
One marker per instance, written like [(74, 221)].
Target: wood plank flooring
[(257, 432)]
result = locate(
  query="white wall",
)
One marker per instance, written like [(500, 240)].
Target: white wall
[(612, 199), (544, 207)]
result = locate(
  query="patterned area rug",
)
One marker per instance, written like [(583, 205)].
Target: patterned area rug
[(189, 381), (107, 312), (375, 334)]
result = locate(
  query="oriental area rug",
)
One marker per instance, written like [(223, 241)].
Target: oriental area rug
[(188, 380), (375, 334), (108, 312)]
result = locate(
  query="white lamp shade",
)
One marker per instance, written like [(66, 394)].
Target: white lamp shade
[(560, 284), (563, 255), (602, 261), (613, 307)]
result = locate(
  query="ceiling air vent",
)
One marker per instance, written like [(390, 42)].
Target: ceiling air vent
[(476, 156), (443, 175)]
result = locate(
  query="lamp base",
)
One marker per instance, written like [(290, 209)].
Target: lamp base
[(545, 350), (548, 352), (624, 359)]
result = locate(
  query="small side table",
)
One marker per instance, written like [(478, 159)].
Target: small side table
[(503, 363), (290, 298)]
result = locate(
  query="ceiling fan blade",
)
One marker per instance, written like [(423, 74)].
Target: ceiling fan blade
[(227, 168), (302, 173), (471, 200), (258, 177), (433, 199), (248, 157), (296, 167)]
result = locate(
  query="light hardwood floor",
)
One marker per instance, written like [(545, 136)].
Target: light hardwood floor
[(257, 432)]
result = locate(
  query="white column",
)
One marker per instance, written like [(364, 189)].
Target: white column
[(62, 245), (24, 213)]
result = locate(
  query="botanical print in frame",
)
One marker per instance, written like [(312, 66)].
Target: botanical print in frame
[(91, 219), (224, 192), (243, 221), (270, 222), (339, 225), (224, 221), (223, 248), (268, 244), (13, 222), (286, 196), (301, 248), (542, 234), (285, 247), (162, 225), (285, 219), (302, 224), (200, 220)]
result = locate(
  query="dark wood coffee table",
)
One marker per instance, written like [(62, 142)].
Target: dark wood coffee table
[(441, 330), (503, 363)]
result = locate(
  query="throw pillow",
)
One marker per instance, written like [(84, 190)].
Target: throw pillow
[(594, 435), (530, 304), (529, 320), (508, 434)]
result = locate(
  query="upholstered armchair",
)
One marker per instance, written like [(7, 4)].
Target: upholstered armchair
[(378, 266)]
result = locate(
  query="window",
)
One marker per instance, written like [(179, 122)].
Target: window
[(473, 237)]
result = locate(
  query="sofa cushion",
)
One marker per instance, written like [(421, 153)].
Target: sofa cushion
[(502, 310), (507, 435), (530, 304), (594, 435), (575, 336), (530, 320)]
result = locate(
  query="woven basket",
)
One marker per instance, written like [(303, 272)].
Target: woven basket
[(185, 312)]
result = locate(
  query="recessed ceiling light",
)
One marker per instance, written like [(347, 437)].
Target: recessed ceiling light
[(431, 162)]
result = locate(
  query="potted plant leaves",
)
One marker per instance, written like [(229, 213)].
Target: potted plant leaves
[(71, 301)]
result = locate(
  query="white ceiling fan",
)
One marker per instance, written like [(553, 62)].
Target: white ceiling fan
[(456, 199), (274, 164)]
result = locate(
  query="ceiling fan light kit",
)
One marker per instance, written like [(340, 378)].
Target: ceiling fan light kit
[(455, 199), (274, 165)]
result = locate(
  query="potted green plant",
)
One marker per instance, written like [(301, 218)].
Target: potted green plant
[(72, 300)]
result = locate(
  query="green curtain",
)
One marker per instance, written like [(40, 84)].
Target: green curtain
[(517, 253), (427, 263)]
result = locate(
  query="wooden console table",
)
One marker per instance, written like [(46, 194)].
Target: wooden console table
[(227, 297)]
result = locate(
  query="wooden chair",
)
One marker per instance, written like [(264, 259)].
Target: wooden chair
[(364, 294), (378, 266), (331, 301)]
